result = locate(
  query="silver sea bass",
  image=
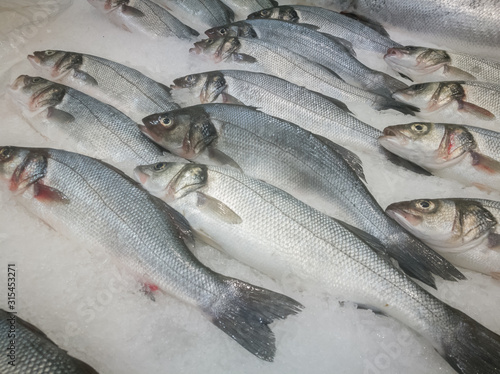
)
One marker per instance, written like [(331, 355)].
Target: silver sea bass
[(276, 60), (26, 349), (317, 47), (455, 101), (422, 64), (144, 16), (470, 155), (310, 110), (127, 89), (99, 206), (318, 172), (465, 231), (200, 13), (362, 36), (461, 25), (82, 122), (266, 228)]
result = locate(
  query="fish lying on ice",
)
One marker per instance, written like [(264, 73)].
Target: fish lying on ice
[(465, 231), (127, 89), (242, 8), (270, 230), (322, 174), (26, 349), (99, 206), (470, 155), (422, 64), (200, 13)]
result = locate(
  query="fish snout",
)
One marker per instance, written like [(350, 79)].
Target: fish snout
[(18, 83), (402, 214), (394, 53), (140, 175), (197, 49), (34, 59)]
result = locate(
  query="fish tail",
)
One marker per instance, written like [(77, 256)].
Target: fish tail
[(469, 347), (385, 85), (244, 312), (418, 260), (386, 103), (393, 84)]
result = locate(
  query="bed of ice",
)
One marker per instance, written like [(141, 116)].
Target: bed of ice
[(87, 304)]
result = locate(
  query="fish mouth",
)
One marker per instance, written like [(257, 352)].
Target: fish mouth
[(395, 53), (140, 175), (393, 135), (403, 216), (18, 83), (197, 49), (34, 60)]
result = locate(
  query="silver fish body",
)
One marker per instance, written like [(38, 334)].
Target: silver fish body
[(459, 25), (361, 36), (275, 60), (280, 152), (242, 8), (467, 154), (84, 123), (457, 102), (422, 64), (99, 206), (145, 17), (127, 89), (200, 13), (26, 349), (316, 47), (465, 231), (270, 230)]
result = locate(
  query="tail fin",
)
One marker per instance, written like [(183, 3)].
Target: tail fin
[(384, 85), (469, 347), (408, 165), (418, 260), (245, 313), (385, 103)]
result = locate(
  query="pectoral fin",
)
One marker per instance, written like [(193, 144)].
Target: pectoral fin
[(181, 223), (48, 194), (243, 58), (221, 158), (485, 164), (345, 43), (85, 78), (131, 11), (217, 209), (475, 110), (59, 116), (494, 241), (228, 99)]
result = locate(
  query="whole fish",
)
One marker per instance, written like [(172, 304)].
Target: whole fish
[(281, 153), (457, 102), (464, 153), (144, 16), (266, 228), (315, 46), (459, 25), (242, 8), (87, 124), (26, 349), (127, 89), (422, 64), (465, 231), (200, 13), (99, 206), (275, 60), (360, 35)]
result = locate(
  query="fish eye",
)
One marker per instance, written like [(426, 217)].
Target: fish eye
[(166, 122), (49, 53), (222, 31), (35, 80), (418, 127), (190, 78), (160, 166), (265, 13), (425, 204), (418, 87), (5, 153), (210, 41)]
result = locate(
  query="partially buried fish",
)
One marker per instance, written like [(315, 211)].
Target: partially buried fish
[(127, 89), (317, 171), (26, 349), (465, 231), (468, 154), (200, 13), (362, 36), (422, 64), (99, 206), (457, 102), (82, 122), (270, 230), (144, 16)]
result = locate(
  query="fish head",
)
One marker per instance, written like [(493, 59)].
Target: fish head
[(55, 64), (284, 13), (169, 180), (21, 167), (236, 29), (451, 225), (208, 86), (419, 95), (419, 60), (184, 132), (218, 49), (36, 93)]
